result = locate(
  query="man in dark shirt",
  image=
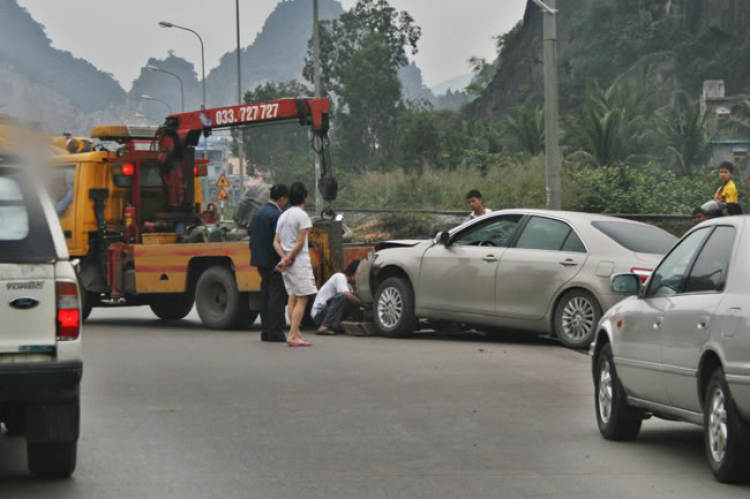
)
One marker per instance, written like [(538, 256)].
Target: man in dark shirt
[(264, 257)]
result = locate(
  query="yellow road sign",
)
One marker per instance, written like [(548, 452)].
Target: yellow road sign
[(223, 181), (222, 195)]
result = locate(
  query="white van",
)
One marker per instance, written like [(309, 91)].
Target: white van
[(40, 320)]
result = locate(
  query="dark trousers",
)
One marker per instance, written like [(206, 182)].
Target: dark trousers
[(273, 301), (333, 312)]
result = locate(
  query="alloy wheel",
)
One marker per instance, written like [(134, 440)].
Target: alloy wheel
[(390, 307), (605, 392), (578, 318), (717, 425)]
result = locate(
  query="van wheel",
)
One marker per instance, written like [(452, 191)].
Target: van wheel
[(576, 317), (56, 460), (219, 303), (616, 419), (725, 434), (172, 307), (393, 307)]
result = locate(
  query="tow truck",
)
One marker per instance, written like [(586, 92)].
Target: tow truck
[(135, 220)]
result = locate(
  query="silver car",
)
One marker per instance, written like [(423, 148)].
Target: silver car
[(680, 349), (532, 270)]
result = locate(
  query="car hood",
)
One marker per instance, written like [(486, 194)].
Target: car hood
[(403, 243)]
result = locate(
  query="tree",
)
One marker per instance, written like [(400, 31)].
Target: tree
[(683, 127), (361, 53), (278, 153), (527, 129)]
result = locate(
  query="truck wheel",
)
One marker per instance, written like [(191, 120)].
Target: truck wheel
[(14, 419), (393, 309), (173, 307), (57, 460), (219, 303)]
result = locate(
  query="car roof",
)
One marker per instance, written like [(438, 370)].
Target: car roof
[(568, 215)]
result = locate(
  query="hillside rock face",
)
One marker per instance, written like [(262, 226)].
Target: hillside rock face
[(520, 78)]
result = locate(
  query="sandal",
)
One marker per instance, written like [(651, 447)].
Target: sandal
[(302, 343)]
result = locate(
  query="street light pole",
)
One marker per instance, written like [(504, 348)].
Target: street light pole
[(182, 88), (239, 94), (551, 106), (318, 94), (165, 24), (148, 97)]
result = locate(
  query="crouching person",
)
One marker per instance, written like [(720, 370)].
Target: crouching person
[(336, 301)]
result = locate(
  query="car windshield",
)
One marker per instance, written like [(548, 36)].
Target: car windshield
[(637, 237), (24, 233)]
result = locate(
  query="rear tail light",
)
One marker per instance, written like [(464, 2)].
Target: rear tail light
[(643, 274), (68, 313)]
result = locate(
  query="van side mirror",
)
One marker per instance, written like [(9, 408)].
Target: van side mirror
[(444, 238), (625, 284)]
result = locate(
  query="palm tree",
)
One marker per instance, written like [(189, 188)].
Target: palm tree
[(527, 129), (684, 128)]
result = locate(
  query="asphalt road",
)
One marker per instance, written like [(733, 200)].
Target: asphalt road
[(183, 412)]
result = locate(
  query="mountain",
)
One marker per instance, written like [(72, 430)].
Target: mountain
[(456, 84), (276, 55), (27, 53), (688, 41)]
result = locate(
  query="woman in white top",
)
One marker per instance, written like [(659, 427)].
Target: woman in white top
[(291, 245)]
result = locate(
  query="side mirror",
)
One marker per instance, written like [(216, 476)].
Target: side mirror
[(444, 238), (625, 284)]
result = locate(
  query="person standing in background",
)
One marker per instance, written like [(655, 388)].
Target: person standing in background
[(474, 198), (263, 255), (292, 246), (727, 193)]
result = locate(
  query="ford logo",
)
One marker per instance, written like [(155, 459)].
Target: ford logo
[(24, 303)]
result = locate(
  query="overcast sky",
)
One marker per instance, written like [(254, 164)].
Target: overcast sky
[(119, 37)]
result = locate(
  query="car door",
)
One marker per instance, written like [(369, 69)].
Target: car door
[(638, 349), (691, 318), (460, 277), (547, 254)]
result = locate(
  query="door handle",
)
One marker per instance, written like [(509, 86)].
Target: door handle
[(568, 263), (489, 258)]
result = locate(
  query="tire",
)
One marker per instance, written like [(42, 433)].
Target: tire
[(220, 305), (725, 434), (14, 419), (86, 307), (56, 460), (576, 317), (393, 308), (172, 307), (616, 419)]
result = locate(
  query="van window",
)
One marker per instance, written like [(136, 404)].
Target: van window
[(24, 232)]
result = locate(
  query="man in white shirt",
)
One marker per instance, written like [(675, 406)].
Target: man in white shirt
[(335, 299), (474, 197)]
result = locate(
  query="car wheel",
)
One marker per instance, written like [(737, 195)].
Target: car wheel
[(86, 307), (393, 308), (725, 437), (576, 318), (219, 303), (57, 460), (172, 307), (616, 419)]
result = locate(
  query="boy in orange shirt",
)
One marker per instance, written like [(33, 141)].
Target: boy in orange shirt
[(727, 193)]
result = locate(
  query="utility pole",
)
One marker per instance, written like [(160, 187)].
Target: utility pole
[(318, 94), (551, 106), (239, 97)]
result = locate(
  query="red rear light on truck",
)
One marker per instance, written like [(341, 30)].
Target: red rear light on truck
[(68, 313), (643, 274)]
